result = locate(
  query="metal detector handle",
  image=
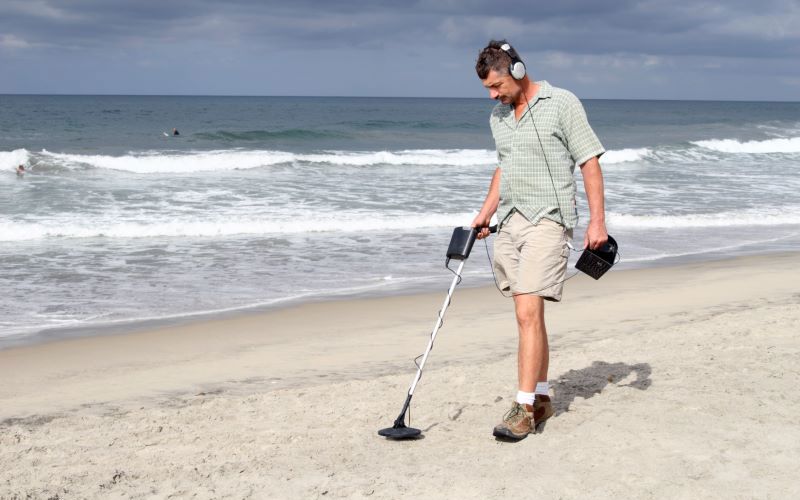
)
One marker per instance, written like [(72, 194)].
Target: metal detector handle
[(492, 229)]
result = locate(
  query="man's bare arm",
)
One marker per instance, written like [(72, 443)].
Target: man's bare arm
[(596, 233), (489, 206)]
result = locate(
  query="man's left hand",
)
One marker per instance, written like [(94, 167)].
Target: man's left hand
[(596, 235)]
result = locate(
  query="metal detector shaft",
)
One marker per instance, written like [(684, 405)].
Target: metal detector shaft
[(460, 247), (439, 322)]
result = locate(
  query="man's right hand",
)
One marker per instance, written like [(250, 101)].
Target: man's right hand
[(481, 223)]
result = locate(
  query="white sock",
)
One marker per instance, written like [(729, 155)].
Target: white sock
[(543, 388), (525, 398)]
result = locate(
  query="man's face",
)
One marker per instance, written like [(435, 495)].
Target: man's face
[(502, 87)]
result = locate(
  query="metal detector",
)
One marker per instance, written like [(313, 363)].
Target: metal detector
[(460, 246)]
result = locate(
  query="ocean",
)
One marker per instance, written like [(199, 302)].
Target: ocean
[(267, 201)]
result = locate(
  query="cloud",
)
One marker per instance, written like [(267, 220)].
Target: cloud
[(642, 37), (13, 42), (725, 29), (38, 9)]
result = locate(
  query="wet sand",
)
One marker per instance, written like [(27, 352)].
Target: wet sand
[(669, 383)]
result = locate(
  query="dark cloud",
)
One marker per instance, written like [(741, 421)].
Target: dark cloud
[(578, 26), (630, 36)]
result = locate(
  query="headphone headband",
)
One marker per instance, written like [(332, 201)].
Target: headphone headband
[(517, 67)]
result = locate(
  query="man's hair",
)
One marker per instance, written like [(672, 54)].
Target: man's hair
[(492, 57)]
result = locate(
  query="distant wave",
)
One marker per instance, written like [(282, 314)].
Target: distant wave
[(623, 155), (749, 217), (785, 145), (146, 162), (352, 127), (216, 227), (265, 135), (424, 125), (207, 161), (160, 162), (448, 157)]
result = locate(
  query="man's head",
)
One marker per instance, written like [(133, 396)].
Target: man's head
[(493, 67)]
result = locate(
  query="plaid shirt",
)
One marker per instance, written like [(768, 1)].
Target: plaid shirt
[(566, 140)]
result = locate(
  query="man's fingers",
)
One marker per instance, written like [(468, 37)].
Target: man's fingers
[(596, 243)]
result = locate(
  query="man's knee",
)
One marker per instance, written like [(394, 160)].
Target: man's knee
[(529, 309)]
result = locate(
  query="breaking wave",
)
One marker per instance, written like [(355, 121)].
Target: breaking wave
[(748, 217), (784, 145), (221, 226), (624, 155), (10, 159), (174, 162)]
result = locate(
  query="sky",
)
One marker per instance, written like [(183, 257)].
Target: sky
[(620, 49)]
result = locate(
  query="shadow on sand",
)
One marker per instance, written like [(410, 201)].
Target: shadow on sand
[(591, 380)]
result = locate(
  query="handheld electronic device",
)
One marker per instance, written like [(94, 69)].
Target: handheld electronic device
[(461, 243), (595, 263)]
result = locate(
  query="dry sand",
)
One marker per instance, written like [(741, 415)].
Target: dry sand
[(677, 382)]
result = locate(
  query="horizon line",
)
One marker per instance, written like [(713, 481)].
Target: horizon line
[(374, 97)]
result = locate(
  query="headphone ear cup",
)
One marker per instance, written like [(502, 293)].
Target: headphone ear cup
[(517, 70)]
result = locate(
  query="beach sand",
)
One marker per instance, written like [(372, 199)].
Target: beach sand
[(675, 382)]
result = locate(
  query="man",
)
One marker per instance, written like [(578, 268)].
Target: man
[(541, 133)]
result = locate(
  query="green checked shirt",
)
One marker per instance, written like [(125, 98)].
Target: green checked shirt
[(566, 140)]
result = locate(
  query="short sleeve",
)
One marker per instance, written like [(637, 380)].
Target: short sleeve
[(579, 137)]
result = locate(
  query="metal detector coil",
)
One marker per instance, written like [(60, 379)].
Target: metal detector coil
[(595, 263)]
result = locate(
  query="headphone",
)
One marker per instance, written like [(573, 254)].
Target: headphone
[(517, 67)]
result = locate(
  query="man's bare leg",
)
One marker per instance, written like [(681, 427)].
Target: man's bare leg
[(533, 355), (532, 364)]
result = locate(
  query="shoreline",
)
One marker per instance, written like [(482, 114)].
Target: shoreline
[(138, 325), (388, 318)]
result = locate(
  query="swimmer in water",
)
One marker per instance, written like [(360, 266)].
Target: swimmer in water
[(20, 170)]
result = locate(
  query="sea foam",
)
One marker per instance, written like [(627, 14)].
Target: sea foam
[(204, 161), (166, 162), (221, 226), (624, 155), (148, 162), (749, 217), (9, 160), (784, 145)]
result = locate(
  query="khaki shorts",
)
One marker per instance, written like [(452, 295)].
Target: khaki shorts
[(531, 258)]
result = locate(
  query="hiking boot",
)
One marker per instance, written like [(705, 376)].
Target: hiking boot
[(517, 422), (542, 410)]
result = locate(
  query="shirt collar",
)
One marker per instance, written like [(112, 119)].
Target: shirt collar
[(545, 92)]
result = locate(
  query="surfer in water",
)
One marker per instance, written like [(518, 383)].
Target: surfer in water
[(20, 170), (175, 132)]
